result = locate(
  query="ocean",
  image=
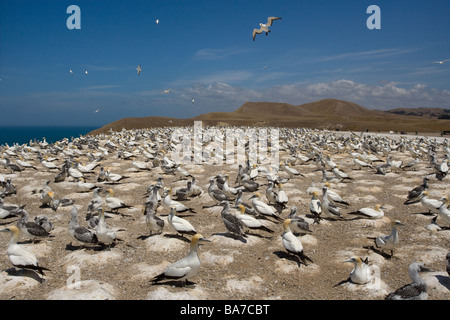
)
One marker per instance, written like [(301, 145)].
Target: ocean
[(21, 135)]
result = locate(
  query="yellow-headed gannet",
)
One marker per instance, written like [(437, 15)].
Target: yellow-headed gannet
[(341, 175), (168, 203), (249, 221), (186, 268), (262, 208), (19, 257), (370, 213), (444, 212), (264, 27), (292, 244), (180, 225), (315, 207), (432, 205), (335, 197), (361, 273), (114, 203), (282, 197), (329, 209), (417, 290)]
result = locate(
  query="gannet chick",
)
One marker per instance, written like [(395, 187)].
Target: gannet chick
[(180, 225), (184, 193), (262, 208), (370, 213), (361, 273), (298, 224), (250, 222), (231, 222), (79, 234), (389, 242), (44, 222), (154, 223), (315, 207), (29, 229), (417, 290), (216, 194), (415, 194), (19, 257), (186, 268), (292, 244)]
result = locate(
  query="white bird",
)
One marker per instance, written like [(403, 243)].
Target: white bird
[(139, 69), (371, 213), (441, 62), (444, 212), (391, 241), (19, 257), (329, 210), (70, 71), (85, 186), (361, 273), (104, 234), (432, 205), (250, 222), (417, 290), (282, 197), (157, 21), (180, 225), (85, 72), (114, 203), (186, 268), (168, 203), (292, 244), (262, 208), (315, 207), (264, 27), (167, 91), (335, 197)]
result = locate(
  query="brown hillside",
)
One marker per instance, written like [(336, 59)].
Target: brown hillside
[(337, 108), (274, 108)]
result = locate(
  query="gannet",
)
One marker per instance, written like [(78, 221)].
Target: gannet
[(315, 207), (441, 62), (271, 195), (361, 273), (29, 229), (184, 193), (19, 257), (292, 244), (139, 69), (25, 164), (262, 208), (157, 21), (389, 242), (44, 222), (95, 203), (341, 175), (329, 210), (80, 234), (282, 197), (249, 221), (417, 290), (153, 222), (84, 186), (180, 225), (234, 225), (264, 27), (298, 224), (444, 212), (248, 207), (361, 164), (167, 91), (216, 194), (336, 198), (169, 203), (371, 213), (186, 268), (114, 203), (104, 234), (432, 205), (227, 189), (415, 194), (291, 171), (47, 198)]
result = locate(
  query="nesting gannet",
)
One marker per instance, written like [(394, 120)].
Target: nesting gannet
[(114, 203), (80, 234), (180, 225), (184, 193), (361, 273), (216, 194), (417, 290), (432, 205), (341, 175), (248, 207), (298, 224), (282, 197), (186, 268), (84, 186), (264, 27), (153, 222), (19, 257), (271, 195), (95, 203), (168, 203), (335, 197), (292, 244), (262, 208), (329, 210), (231, 222), (444, 212), (47, 198), (391, 241), (370, 213), (249, 221)]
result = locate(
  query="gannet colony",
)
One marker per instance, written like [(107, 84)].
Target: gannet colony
[(226, 213)]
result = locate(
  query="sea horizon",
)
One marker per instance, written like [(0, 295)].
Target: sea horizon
[(24, 134)]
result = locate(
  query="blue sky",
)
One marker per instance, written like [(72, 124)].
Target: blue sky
[(204, 50)]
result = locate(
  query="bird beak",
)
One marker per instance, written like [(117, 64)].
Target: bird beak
[(426, 269), (204, 240)]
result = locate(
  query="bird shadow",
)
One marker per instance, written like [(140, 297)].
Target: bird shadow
[(231, 236), (175, 283), (177, 236), (25, 273), (342, 282), (444, 280), (71, 247), (287, 256), (380, 252)]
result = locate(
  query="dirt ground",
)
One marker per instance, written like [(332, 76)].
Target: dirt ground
[(255, 267)]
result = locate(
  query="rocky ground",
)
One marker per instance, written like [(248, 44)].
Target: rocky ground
[(256, 267)]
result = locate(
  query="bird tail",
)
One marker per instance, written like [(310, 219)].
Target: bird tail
[(158, 278), (266, 229)]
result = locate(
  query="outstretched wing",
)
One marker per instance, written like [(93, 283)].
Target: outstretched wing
[(270, 20)]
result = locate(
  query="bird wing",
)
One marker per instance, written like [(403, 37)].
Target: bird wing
[(270, 20)]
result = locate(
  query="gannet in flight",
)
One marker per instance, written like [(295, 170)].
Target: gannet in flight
[(264, 27), (166, 91), (441, 62), (139, 69)]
